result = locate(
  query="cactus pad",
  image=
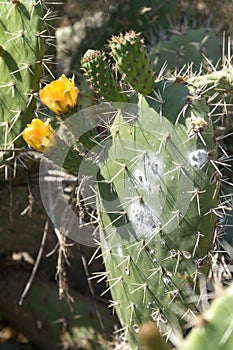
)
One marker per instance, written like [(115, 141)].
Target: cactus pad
[(22, 31), (132, 61), (188, 47), (97, 69), (157, 196)]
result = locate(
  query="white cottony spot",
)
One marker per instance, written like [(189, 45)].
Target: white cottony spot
[(198, 158), (142, 218), (148, 173)]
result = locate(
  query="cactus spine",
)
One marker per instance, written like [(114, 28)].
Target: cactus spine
[(22, 31)]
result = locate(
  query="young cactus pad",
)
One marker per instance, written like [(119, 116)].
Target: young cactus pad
[(21, 51), (132, 61), (157, 193), (97, 69)]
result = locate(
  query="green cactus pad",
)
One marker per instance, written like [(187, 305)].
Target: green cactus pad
[(97, 68), (132, 61), (190, 46), (214, 327), (22, 31), (157, 196)]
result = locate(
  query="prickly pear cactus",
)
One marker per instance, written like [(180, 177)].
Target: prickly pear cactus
[(157, 200), (157, 194), (22, 31)]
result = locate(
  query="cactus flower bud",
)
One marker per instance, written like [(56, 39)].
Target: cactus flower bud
[(60, 95), (39, 134)]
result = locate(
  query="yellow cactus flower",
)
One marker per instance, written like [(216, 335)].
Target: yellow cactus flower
[(60, 95), (39, 134)]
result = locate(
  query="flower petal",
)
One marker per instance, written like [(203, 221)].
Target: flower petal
[(60, 95), (39, 134)]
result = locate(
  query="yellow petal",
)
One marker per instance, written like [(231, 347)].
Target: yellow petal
[(58, 107), (60, 95), (39, 134), (68, 83)]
